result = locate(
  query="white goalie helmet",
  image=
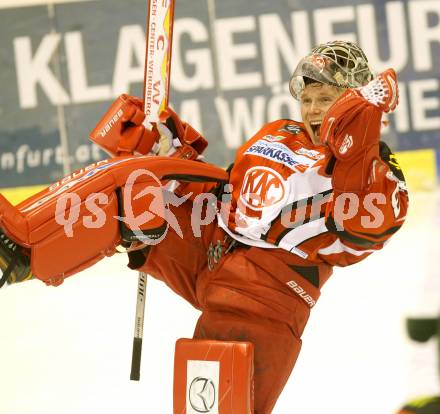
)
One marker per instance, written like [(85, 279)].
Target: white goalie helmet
[(338, 63)]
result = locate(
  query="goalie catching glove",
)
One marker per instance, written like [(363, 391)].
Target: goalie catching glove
[(121, 131), (383, 91), (379, 95), (354, 140)]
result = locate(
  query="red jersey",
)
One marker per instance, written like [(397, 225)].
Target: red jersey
[(283, 196)]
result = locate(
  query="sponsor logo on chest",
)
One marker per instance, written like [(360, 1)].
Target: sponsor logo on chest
[(273, 151), (297, 159)]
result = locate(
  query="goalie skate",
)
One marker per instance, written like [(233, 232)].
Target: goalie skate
[(14, 262)]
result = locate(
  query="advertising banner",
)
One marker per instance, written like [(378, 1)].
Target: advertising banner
[(63, 64)]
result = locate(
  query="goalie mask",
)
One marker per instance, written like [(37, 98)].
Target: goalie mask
[(341, 64)]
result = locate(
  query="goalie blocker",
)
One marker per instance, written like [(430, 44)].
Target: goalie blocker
[(121, 131), (213, 377)]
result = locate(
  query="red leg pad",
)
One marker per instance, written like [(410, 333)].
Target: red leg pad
[(213, 376), (58, 250)]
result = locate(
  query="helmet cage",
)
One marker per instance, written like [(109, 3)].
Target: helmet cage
[(340, 64)]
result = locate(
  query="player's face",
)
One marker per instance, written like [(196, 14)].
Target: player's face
[(316, 100)]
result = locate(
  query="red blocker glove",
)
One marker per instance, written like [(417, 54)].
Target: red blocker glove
[(178, 138), (121, 132)]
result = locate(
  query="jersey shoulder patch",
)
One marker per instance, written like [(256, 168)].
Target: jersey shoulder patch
[(292, 127)]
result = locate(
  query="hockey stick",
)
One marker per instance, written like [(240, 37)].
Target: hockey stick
[(138, 328), (156, 92), (158, 58)]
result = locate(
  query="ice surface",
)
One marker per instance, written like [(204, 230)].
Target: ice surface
[(67, 350)]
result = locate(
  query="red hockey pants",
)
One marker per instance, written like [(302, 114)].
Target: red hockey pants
[(239, 298)]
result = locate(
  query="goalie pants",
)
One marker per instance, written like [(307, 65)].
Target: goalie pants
[(239, 298)]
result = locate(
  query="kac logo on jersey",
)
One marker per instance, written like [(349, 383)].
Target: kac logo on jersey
[(262, 187)]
